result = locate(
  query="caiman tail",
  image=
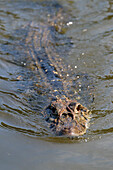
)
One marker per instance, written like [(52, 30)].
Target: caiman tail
[(64, 115)]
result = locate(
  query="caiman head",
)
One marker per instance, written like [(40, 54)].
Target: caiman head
[(68, 117)]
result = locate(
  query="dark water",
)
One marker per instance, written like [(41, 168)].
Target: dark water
[(26, 140)]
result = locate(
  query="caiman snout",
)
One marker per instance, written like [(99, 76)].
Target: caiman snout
[(68, 117)]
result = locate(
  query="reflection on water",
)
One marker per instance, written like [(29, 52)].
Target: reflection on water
[(91, 34)]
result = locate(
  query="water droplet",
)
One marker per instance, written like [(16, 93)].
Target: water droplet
[(84, 30), (85, 140), (69, 23)]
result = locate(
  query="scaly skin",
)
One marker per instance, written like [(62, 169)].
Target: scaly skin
[(65, 116)]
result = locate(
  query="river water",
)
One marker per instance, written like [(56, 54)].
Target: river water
[(26, 141)]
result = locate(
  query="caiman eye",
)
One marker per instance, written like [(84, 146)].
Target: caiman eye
[(72, 105), (78, 107), (70, 115), (64, 114)]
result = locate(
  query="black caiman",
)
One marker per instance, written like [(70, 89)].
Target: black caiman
[(65, 115)]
